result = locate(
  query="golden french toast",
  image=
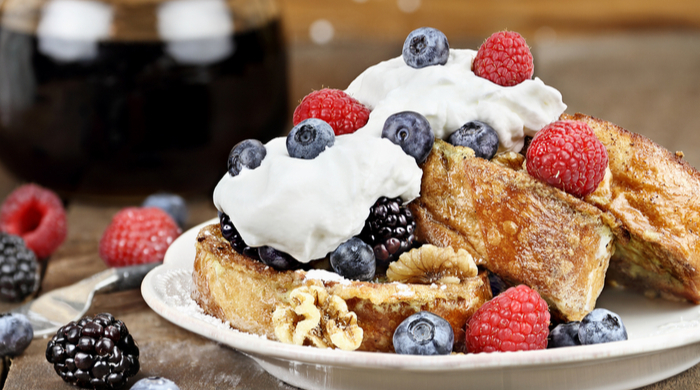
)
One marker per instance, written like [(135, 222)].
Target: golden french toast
[(517, 227), (293, 307), (655, 195)]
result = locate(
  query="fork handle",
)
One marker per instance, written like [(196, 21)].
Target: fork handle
[(131, 277)]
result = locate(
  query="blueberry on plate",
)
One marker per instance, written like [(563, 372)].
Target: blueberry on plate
[(478, 136), (277, 259), (601, 326), (564, 335), (309, 138), (412, 132), (16, 334), (248, 153), (172, 204), (155, 383), (425, 46), (424, 333), (354, 259)]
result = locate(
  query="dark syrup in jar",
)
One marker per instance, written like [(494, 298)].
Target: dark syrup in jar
[(133, 119)]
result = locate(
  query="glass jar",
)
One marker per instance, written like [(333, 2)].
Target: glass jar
[(131, 97)]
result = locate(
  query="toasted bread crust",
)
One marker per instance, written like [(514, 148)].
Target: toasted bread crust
[(656, 196), (245, 293), (519, 228)]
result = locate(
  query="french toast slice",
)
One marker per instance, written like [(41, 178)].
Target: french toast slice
[(516, 226), (656, 196), (250, 296)]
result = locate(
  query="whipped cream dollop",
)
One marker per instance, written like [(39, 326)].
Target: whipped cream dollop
[(451, 95), (307, 208)]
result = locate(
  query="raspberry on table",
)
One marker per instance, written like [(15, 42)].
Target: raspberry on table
[(37, 215), (568, 156), (505, 59), (137, 235), (344, 113), (516, 320)]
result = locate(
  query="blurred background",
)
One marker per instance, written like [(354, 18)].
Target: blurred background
[(127, 97)]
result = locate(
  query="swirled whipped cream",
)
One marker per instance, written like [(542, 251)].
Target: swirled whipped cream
[(451, 95), (307, 208)]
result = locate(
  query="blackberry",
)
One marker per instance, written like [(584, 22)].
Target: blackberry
[(19, 269), (94, 353), (388, 229), (231, 235)]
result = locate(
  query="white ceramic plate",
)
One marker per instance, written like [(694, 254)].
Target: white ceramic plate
[(664, 339)]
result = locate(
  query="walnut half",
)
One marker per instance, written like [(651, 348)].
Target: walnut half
[(430, 264), (314, 317)]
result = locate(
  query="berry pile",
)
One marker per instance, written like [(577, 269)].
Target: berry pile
[(37, 215), (94, 353), (19, 269), (137, 235), (597, 327)]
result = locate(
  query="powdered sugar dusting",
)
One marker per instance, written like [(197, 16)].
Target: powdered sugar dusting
[(325, 276), (175, 289)]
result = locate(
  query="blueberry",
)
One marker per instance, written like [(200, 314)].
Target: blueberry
[(601, 326), (412, 132), (497, 284), (354, 259), (248, 153), (479, 136), (15, 334), (172, 204), (309, 138), (564, 335), (277, 259), (425, 46), (155, 383), (424, 333)]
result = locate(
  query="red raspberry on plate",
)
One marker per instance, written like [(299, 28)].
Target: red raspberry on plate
[(37, 215), (505, 59), (137, 235), (515, 320), (568, 156), (337, 108)]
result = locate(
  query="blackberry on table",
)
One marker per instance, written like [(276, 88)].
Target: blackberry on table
[(229, 232), (19, 269), (94, 353), (389, 229)]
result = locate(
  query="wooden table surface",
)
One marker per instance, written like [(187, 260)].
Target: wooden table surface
[(615, 78)]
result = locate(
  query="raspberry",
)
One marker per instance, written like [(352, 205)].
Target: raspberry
[(516, 320), (338, 109), (37, 215), (504, 59), (567, 155), (137, 235)]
